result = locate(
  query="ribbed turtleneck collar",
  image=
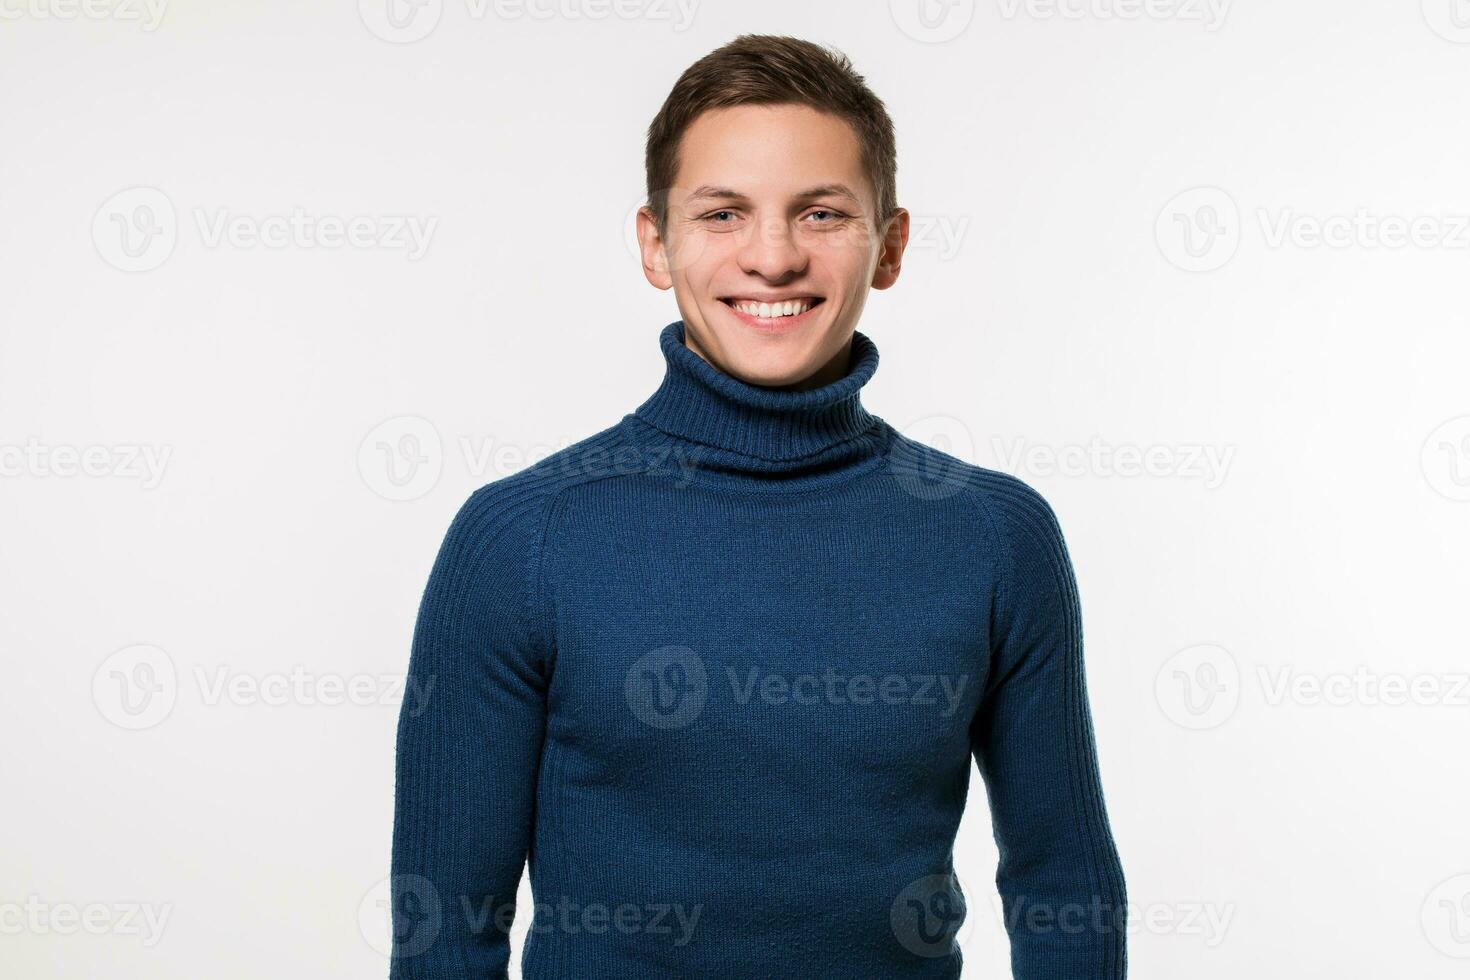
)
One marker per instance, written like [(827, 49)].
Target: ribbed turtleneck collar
[(746, 426)]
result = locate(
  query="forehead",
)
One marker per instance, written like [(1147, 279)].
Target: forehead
[(769, 150)]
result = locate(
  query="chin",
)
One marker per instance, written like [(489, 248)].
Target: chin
[(759, 361)]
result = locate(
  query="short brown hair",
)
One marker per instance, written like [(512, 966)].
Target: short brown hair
[(765, 69)]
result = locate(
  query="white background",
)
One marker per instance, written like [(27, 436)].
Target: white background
[(1114, 213)]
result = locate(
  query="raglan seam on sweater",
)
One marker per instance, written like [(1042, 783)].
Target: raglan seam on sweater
[(555, 531), (538, 623), (540, 630), (1085, 802), (998, 581), (1027, 498), (1090, 809), (537, 618)]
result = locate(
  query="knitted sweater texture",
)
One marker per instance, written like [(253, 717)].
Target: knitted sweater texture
[(715, 675)]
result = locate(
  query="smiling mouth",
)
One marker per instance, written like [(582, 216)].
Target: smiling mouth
[(780, 313)]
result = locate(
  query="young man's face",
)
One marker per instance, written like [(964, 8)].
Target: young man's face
[(771, 203)]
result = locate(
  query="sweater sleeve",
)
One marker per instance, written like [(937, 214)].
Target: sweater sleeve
[(1059, 877), (468, 748)]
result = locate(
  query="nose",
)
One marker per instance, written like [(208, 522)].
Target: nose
[(771, 250)]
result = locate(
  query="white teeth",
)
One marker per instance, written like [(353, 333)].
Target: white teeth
[(772, 310)]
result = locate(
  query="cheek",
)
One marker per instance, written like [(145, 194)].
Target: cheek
[(844, 252), (695, 257)]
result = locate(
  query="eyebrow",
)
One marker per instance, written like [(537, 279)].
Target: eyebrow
[(725, 193)]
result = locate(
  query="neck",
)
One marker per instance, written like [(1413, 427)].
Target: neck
[(734, 425)]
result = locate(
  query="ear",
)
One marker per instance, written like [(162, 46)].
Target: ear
[(651, 249), (890, 257)]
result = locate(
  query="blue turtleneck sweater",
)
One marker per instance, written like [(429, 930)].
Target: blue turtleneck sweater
[(717, 673)]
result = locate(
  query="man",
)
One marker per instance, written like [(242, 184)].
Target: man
[(718, 671)]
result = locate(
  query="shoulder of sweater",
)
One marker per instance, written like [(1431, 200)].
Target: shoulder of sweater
[(1034, 566), (1003, 496), (1012, 513), (580, 462), (524, 497), (494, 543)]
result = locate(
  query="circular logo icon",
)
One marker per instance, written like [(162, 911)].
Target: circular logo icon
[(136, 687), (939, 474), (928, 915), (401, 916), (682, 252), (1446, 917), (402, 458), (135, 230), (1445, 459), (932, 21), (666, 688), (1199, 229), (401, 21), (1199, 687), (1450, 19)]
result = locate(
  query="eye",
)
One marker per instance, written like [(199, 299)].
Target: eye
[(711, 216), (835, 215)]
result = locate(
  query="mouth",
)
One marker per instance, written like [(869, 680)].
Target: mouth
[(784, 313)]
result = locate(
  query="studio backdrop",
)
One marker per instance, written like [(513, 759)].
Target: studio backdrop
[(284, 283)]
